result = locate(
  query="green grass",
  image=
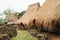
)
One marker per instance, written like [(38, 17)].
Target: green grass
[(23, 35)]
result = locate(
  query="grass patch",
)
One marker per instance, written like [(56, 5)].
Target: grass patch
[(23, 35)]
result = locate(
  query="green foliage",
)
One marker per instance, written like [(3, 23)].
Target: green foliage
[(19, 15), (0, 21), (7, 11)]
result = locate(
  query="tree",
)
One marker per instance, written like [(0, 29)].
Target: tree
[(19, 15), (7, 11), (1, 18)]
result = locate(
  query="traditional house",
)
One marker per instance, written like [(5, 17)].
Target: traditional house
[(11, 18), (44, 15), (46, 18)]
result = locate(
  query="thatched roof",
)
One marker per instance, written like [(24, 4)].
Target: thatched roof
[(32, 9), (46, 17), (48, 12), (11, 18), (42, 15)]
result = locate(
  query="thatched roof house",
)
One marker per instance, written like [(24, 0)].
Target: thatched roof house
[(11, 18), (44, 15), (46, 18)]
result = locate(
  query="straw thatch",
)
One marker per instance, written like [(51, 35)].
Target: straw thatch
[(32, 9), (47, 16), (11, 18), (25, 19), (44, 18)]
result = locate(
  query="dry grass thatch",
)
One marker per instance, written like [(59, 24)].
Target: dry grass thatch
[(11, 18), (46, 15), (32, 9)]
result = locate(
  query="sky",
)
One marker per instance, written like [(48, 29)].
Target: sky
[(17, 5)]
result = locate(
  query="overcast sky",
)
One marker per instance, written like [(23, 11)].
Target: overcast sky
[(17, 5)]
